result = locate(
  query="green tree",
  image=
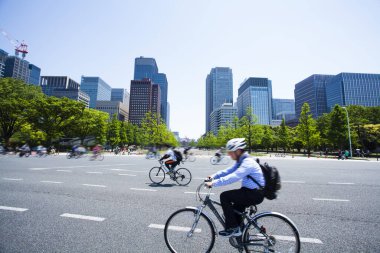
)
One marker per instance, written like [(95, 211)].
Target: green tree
[(54, 115), (27, 134), (323, 127), (113, 136), (307, 129), (123, 134), (249, 130), (338, 133), (268, 138), (15, 101), (88, 123), (284, 136)]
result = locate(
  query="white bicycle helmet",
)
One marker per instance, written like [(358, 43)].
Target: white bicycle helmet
[(235, 144)]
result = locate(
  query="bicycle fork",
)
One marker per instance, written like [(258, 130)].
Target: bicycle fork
[(197, 215)]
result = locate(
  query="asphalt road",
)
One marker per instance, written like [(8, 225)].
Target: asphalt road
[(58, 205)]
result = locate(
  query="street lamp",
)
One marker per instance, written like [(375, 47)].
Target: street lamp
[(349, 133)]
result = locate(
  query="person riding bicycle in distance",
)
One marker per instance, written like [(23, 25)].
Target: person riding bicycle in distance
[(171, 163), (249, 193)]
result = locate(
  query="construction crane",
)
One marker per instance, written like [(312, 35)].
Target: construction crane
[(19, 47)]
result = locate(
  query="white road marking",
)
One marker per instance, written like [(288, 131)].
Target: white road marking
[(51, 182), (337, 200), (202, 193), (294, 182), (94, 172), (95, 185), (303, 239), (174, 228), (16, 209), (39, 168), (340, 183), (142, 189), (13, 179), (130, 175), (85, 166), (138, 171), (82, 217), (64, 170)]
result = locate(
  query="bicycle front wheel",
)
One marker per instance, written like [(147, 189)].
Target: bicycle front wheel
[(100, 157), (214, 160), (275, 233), (183, 176), (177, 233), (157, 175), (225, 160)]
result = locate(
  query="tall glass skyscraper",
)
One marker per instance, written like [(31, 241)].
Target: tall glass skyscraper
[(353, 89), (17, 68), (147, 68), (312, 90), (3, 58), (221, 116), (96, 88), (283, 108), (256, 93), (34, 74), (219, 90)]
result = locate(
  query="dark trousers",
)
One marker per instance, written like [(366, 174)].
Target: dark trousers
[(238, 199), (170, 164)]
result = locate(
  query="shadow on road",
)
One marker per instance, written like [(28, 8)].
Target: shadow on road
[(161, 185)]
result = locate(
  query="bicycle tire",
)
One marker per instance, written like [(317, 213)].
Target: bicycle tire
[(68, 155), (157, 175), (180, 176), (204, 229), (192, 158), (225, 160), (100, 157), (275, 225), (213, 160)]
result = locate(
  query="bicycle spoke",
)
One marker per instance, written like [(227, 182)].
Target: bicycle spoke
[(183, 176)]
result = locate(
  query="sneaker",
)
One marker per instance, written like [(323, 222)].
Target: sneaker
[(231, 232)]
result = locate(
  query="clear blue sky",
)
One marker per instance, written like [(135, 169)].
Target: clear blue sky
[(285, 41)]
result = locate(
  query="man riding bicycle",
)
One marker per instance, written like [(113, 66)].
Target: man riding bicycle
[(171, 163), (249, 194)]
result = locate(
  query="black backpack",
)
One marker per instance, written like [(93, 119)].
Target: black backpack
[(272, 180), (178, 155)]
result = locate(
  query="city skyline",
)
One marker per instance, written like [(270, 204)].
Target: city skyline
[(286, 48)]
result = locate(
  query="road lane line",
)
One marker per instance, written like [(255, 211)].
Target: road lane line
[(85, 166), (138, 171), (130, 175), (202, 193), (51, 182), (82, 217), (12, 179), (94, 172), (336, 200), (64, 170), (142, 189), (95, 185), (302, 239), (39, 168), (294, 182), (174, 228), (16, 209), (341, 183)]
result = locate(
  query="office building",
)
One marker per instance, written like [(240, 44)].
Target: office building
[(221, 116), (113, 107), (96, 88), (219, 90), (51, 83), (256, 93), (74, 94), (144, 98), (17, 68), (312, 90), (147, 68), (283, 109), (34, 75), (3, 58), (168, 115), (347, 89)]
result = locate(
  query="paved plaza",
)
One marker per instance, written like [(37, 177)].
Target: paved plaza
[(54, 204)]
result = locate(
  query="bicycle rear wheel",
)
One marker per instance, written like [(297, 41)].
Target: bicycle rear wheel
[(177, 236), (157, 175), (183, 176), (275, 234), (225, 160)]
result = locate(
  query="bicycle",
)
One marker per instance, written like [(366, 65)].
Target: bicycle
[(75, 155), (190, 157), (181, 176), (219, 160), (151, 155), (280, 155), (192, 228), (97, 156)]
